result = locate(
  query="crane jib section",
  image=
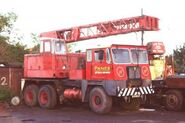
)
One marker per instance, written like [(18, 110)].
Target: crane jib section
[(103, 29)]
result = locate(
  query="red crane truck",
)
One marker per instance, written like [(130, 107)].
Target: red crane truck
[(96, 76)]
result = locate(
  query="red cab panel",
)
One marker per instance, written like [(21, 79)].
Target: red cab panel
[(145, 72), (49, 65), (38, 66)]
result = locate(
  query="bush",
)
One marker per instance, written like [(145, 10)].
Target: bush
[(5, 93)]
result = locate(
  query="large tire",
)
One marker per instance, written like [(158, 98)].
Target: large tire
[(99, 101), (30, 95), (47, 97), (134, 104), (174, 100)]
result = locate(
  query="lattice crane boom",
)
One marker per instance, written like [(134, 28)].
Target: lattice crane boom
[(103, 29)]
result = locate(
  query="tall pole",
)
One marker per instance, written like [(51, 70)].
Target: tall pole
[(142, 32)]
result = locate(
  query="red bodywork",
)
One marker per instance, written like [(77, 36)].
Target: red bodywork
[(47, 65), (101, 70), (76, 67)]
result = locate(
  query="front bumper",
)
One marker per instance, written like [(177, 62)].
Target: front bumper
[(135, 91)]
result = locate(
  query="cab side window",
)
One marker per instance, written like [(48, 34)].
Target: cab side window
[(47, 46), (89, 55), (99, 55)]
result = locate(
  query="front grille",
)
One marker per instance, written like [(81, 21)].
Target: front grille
[(133, 72), (134, 83)]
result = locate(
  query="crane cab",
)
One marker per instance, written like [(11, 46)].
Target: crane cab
[(51, 62), (52, 46)]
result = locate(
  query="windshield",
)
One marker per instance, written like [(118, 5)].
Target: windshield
[(60, 47), (121, 55), (139, 56)]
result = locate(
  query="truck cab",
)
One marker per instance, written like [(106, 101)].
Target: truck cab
[(118, 62), (122, 68)]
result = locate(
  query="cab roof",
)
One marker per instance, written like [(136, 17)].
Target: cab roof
[(121, 46)]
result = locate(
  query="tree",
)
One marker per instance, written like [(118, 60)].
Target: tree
[(179, 59), (6, 23), (35, 39), (16, 53), (10, 52)]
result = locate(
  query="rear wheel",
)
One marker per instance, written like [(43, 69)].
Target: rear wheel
[(174, 100), (30, 95), (133, 104), (47, 97), (99, 101)]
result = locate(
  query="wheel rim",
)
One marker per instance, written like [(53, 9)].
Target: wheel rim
[(43, 97), (97, 101), (172, 100), (29, 96)]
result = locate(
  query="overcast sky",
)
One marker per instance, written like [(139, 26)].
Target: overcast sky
[(35, 16)]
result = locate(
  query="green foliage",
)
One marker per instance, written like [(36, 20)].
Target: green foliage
[(16, 53), (3, 48), (179, 59), (6, 22), (10, 52), (70, 47), (35, 39), (35, 49), (5, 93)]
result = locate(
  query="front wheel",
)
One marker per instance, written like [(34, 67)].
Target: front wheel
[(99, 101), (174, 100)]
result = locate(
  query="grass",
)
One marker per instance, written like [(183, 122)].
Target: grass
[(5, 93)]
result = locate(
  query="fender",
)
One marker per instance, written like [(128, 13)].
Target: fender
[(110, 87)]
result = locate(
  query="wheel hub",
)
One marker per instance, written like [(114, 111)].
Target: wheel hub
[(43, 97), (29, 96), (98, 100), (172, 100)]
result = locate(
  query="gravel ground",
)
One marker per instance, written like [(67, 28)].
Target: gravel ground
[(82, 114)]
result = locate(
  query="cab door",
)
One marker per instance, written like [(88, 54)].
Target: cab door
[(101, 66)]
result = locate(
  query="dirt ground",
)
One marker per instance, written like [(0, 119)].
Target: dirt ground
[(5, 114), (82, 114)]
